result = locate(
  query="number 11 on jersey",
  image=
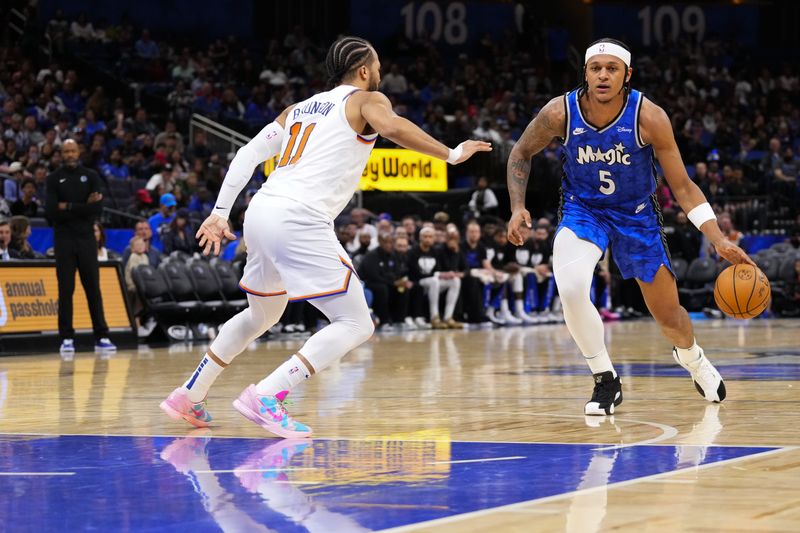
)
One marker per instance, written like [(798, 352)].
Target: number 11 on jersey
[(294, 132)]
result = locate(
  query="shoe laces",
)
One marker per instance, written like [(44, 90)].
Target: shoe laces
[(706, 371), (604, 392)]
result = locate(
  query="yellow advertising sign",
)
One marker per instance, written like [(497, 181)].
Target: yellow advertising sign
[(396, 169), (29, 299)]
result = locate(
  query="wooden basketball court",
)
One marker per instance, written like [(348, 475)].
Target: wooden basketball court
[(415, 431)]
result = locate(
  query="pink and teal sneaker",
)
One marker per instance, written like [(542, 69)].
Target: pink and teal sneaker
[(179, 406), (269, 412)]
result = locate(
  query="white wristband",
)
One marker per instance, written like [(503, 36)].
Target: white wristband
[(701, 214), (455, 154)]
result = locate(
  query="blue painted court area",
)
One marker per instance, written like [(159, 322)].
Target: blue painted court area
[(79, 483), (743, 370)]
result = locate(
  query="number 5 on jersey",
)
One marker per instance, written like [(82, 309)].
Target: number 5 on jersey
[(608, 186), (294, 132)]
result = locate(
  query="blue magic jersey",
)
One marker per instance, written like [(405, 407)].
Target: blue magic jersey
[(610, 166)]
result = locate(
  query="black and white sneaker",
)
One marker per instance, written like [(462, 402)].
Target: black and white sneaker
[(706, 378), (607, 394)]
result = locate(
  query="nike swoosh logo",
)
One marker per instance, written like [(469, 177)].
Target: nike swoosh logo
[(62, 180), (219, 207), (639, 208)]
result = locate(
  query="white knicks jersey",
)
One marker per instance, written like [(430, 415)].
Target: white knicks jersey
[(321, 158)]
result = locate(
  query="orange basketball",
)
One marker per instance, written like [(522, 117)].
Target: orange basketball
[(742, 291)]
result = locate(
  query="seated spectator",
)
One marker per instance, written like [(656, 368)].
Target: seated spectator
[(28, 204), (162, 182), (180, 235), (501, 255), (11, 185), (142, 230), (483, 201), (424, 265), (6, 253), (146, 48), (365, 245), (165, 215), (387, 278), (115, 167), (103, 253), (20, 231), (202, 201), (137, 255), (358, 216), (453, 267), (683, 239), (411, 226), (533, 257)]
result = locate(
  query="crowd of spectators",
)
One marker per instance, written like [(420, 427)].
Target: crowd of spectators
[(738, 127)]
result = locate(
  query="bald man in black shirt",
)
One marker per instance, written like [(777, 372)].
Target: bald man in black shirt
[(73, 204)]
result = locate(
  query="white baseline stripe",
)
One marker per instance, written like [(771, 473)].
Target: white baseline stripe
[(478, 460), (555, 497), (37, 473)]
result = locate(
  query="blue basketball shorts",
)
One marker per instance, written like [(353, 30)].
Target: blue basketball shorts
[(633, 232)]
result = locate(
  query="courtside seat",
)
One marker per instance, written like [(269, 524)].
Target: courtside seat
[(698, 289), (229, 284), (152, 288), (182, 290), (206, 285)]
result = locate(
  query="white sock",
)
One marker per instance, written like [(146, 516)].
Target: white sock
[(600, 362), (284, 378), (690, 354), (519, 305), (203, 377)]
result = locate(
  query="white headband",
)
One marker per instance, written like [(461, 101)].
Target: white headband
[(608, 49)]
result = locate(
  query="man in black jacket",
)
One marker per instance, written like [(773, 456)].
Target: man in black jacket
[(73, 204), (387, 278)]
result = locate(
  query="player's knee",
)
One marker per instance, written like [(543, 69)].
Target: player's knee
[(573, 293), (363, 328)]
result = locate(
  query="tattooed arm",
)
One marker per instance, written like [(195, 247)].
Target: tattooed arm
[(549, 123)]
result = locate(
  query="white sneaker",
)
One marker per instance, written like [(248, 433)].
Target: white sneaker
[(288, 328), (509, 318), (706, 378), (408, 323), (491, 314), (421, 323), (526, 318), (67, 346)]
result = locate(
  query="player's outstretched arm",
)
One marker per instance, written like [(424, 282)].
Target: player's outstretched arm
[(264, 145), (377, 111), (656, 129), (549, 123)]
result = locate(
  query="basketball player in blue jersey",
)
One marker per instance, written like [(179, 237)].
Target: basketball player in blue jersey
[(611, 135)]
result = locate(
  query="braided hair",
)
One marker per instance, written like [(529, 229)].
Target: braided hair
[(584, 86), (344, 56)]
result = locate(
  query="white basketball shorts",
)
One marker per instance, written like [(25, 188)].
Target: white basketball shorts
[(292, 249)]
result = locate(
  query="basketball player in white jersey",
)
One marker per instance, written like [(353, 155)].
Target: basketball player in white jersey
[(292, 252)]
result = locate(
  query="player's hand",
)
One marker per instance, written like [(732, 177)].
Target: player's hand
[(518, 218), (732, 253), (211, 232), (469, 148)]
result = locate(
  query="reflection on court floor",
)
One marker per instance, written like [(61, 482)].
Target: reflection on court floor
[(200, 483)]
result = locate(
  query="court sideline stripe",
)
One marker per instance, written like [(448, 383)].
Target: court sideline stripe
[(556, 497), (609, 444)]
